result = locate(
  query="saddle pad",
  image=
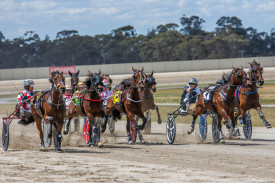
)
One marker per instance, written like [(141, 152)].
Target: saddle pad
[(76, 97), (117, 97), (207, 95)]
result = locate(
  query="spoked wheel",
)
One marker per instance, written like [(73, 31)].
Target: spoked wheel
[(171, 130), (86, 127), (57, 143), (215, 131), (247, 129), (111, 124), (46, 131), (5, 136), (76, 124), (147, 128), (203, 126), (96, 132), (133, 132)]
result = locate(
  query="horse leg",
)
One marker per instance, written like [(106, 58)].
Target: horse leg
[(59, 126), (140, 137), (128, 131), (144, 120), (103, 127), (259, 110), (235, 129), (157, 109), (50, 120), (39, 127), (220, 128), (197, 112)]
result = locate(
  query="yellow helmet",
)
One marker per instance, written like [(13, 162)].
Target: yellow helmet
[(80, 84)]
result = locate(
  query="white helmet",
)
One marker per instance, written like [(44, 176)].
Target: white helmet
[(28, 82)]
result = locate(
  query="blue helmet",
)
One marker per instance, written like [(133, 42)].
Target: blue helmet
[(193, 81)]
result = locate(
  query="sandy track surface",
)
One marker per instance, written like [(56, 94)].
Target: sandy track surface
[(188, 160)]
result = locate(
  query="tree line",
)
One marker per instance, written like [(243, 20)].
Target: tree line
[(170, 42)]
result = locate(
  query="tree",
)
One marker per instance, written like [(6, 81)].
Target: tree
[(229, 25), (192, 25)]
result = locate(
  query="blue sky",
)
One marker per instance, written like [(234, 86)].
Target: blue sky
[(91, 17)]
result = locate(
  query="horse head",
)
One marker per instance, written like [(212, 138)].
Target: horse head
[(58, 81), (240, 77), (94, 81), (256, 72), (150, 82), (138, 78), (74, 78)]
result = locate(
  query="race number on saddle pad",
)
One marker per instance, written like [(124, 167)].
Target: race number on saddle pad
[(208, 94), (77, 96), (117, 97)]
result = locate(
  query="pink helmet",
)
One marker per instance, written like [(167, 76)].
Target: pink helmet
[(105, 82)]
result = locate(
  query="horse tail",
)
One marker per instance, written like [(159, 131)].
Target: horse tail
[(116, 114)]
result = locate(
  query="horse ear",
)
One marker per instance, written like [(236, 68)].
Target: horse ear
[(70, 73), (259, 63), (142, 68), (90, 73), (152, 73), (241, 67), (235, 69), (251, 64), (134, 69), (77, 73), (99, 71)]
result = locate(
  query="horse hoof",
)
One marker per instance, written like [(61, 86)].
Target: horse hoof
[(159, 121), (190, 130), (268, 125), (65, 132), (100, 145), (143, 141), (130, 142), (222, 141)]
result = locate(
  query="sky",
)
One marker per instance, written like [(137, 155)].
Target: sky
[(92, 17)]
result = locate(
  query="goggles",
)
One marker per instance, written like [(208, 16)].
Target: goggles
[(105, 85)]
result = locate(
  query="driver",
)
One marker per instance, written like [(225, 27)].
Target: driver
[(68, 96), (188, 95), (25, 108)]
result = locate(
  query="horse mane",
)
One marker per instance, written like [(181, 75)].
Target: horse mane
[(126, 82), (226, 76)]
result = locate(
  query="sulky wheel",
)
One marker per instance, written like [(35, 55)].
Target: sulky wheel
[(76, 124), (171, 130), (5, 136), (147, 128), (133, 132), (247, 129), (96, 132), (46, 131), (215, 131), (111, 124), (86, 127), (203, 126)]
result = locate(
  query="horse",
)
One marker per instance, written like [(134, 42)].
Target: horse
[(223, 100), (249, 97), (74, 80), (131, 104), (147, 98), (90, 103), (52, 108)]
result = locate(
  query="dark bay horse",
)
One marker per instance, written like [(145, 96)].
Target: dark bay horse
[(131, 104), (147, 98), (52, 108), (74, 80), (249, 97), (90, 103), (223, 100)]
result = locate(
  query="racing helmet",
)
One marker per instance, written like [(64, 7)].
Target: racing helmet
[(68, 87), (105, 82), (193, 81), (28, 82)]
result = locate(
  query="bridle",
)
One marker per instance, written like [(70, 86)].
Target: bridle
[(141, 78), (253, 74), (243, 81), (61, 81)]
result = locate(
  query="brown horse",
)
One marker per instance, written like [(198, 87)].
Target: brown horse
[(223, 100), (74, 80), (52, 108), (249, 97), (131, 104), (147, 98), (90, 103)]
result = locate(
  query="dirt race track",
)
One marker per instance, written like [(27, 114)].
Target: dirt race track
[(188, 160)]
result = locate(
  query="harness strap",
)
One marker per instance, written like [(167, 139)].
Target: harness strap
[(133, 100), (250, 92)]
